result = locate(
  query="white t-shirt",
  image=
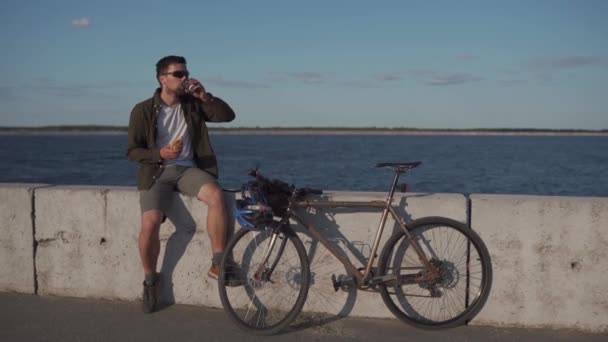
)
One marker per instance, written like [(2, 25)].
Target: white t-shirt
[(171, 125)]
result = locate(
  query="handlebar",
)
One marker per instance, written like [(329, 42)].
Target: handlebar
[(310, 191), (255, 173)]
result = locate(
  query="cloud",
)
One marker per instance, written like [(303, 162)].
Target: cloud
[(110, 88), (358, 84), (569, 62), (316, 78), (82, 22), (512, 82), (55, 88), (236, 84), (545, 70), (8, 93), (467, 57), (435, 78), (307, 77), (543, 78), (388, 77), (510, 71)]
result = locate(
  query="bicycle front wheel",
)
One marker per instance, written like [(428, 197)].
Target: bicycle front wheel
[(270, 291), (445, 299)]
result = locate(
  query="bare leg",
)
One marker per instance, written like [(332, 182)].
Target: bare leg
[(149, 241), (217, 223)]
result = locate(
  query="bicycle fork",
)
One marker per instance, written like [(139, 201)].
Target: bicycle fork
[(263, 273)]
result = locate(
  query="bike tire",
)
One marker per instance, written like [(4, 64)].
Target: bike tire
[(281, 280), (406, 305)]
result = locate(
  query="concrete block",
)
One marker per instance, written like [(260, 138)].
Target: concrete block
[(16, 237), (88, 246), (70, 224), (549, 258)]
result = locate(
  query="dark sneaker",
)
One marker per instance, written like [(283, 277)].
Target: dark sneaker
[(233, 273), (150, 296)]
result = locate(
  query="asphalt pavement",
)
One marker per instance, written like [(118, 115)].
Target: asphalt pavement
[(38, 318)]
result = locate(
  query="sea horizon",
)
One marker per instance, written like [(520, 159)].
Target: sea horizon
[(118, 130)]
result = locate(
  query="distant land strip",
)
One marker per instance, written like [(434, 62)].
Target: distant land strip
[(96, 129)]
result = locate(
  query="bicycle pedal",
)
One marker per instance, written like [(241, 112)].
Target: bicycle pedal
[(343, 283), (335, 283)]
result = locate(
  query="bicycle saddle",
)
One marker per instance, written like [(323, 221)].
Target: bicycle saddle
[(399, 167)]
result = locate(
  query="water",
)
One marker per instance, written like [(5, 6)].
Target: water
[(534, 165)]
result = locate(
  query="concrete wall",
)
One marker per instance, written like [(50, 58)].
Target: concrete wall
[(550, 258), (549, 253), (87, 246), (17, 237)]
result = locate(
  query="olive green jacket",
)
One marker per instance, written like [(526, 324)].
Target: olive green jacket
[(142, 146)]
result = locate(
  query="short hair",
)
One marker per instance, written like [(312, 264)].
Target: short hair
[(163, 64)]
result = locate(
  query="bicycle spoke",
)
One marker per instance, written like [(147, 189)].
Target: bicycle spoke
[(267, 298), (442, 299), (324, 304)]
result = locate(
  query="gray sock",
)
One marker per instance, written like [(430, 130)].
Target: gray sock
[(150, 279), (217, 258)]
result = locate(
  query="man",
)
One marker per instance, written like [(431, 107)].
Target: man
[(168, 137)]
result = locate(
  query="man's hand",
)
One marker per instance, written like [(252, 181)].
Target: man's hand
[(199, 90), (167, 153)]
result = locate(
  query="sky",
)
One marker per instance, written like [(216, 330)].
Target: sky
[(422, 64)]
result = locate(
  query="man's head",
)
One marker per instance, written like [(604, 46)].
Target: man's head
[(171, 71)]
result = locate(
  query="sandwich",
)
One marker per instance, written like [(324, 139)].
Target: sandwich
[(177, 145)]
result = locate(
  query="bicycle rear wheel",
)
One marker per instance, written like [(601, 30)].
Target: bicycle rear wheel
[(268, 296), (463, 284)]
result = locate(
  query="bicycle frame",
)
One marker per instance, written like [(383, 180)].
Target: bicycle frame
[(361, 278)]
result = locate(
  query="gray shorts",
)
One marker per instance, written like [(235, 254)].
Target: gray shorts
[(187, 180)]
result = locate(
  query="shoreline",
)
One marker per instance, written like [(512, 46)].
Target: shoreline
[(262, 131), (403, 132)]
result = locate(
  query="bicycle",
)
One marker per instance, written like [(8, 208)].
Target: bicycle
[(419, 279)]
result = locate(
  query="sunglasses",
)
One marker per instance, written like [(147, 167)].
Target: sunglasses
[(178, 74)]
